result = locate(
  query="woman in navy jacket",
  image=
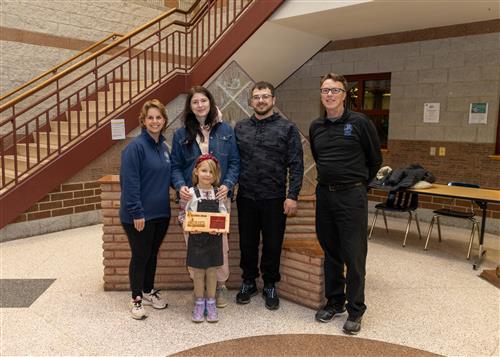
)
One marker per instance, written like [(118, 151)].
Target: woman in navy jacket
[(145, 177), (205, 132)]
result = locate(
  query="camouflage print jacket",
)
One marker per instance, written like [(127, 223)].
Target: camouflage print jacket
[(270, 152)]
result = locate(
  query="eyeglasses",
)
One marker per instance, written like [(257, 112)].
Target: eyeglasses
[(333, 90), (263, 96)]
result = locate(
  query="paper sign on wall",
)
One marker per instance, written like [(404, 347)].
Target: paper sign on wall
[(117, 129), (431, 112), (478, 113)]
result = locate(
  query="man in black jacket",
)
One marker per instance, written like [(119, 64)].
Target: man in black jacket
[(346, 149), (270, 152)]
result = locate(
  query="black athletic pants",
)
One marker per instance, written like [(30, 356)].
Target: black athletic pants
[(144, 246), (254, 217), (341, 223)]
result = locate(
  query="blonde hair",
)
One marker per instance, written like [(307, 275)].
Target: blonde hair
[(153, 103), (213, 167)]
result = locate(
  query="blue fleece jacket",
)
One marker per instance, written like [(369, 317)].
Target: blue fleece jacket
[(145, 177)]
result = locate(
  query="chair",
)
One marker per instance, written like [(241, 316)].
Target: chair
[(398, 201), (448, 212)]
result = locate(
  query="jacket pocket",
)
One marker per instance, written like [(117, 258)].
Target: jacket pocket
[(187, 151), (222, 144)]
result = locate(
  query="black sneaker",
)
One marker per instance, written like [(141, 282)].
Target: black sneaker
[(328, 312), (271, 296), (247, 290), (352, 326)]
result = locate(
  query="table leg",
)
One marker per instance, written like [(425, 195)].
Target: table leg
[(481, 252)]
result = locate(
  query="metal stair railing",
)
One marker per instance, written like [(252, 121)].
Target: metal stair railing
[(42, 122), (55, 69)]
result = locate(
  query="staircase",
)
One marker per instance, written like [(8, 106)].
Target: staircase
[(52, 131)]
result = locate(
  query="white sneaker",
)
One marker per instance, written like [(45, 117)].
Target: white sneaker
[(155, 300), (137, 310), (222, 296)]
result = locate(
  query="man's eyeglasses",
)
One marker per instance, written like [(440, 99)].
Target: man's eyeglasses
[(263, 96), (333, 90)]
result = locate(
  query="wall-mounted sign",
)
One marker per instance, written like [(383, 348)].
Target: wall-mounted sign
[(117, 129), (431, 112), (478, 113)]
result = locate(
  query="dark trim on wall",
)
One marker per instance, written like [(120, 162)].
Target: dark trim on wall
[(44, 39), (435, 33)]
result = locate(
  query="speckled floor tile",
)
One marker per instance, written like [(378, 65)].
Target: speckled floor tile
[(427, 300)]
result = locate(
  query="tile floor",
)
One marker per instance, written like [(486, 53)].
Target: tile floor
[(428, 300)]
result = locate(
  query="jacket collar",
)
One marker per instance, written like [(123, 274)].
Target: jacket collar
[(149, 138), (268, 119), (340, 120)]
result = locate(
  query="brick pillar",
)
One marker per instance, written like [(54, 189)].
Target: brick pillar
[(171, 271)]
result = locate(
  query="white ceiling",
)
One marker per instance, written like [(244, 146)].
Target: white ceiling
[(360, 18)]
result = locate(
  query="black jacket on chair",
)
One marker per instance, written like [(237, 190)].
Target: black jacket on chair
[(403, 178)]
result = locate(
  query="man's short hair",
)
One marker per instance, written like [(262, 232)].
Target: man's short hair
[(334, 77), (262, 85)]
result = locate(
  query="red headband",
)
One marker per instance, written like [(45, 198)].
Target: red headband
[(204, 157)]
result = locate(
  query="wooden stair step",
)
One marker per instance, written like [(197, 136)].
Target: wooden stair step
[(32, 149), (9, 176), (43, 138), (22, 162), (126, 86), (64, 126), (74, 115)]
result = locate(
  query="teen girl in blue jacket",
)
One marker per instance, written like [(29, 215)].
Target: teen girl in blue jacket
[(204, 132)]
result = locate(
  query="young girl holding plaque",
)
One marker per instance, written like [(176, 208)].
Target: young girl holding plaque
[(204, 252)]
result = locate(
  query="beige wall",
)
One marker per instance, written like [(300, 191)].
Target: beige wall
[(454, 72), (37, 35)]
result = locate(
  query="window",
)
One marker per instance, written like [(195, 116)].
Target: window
[(371, 94)]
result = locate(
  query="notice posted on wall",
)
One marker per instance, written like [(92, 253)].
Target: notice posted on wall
[(478, 113), (117, 129), (431, 112)]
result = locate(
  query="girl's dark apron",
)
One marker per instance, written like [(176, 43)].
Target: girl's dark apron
[(205, 249)]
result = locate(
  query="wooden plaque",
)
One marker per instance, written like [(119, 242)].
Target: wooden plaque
[(206, 222)]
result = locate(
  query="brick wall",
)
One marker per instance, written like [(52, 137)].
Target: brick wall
[(66, 199), (464, 162), (171, 271)]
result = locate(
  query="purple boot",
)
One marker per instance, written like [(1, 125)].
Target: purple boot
[(212, 315), (199, 310)]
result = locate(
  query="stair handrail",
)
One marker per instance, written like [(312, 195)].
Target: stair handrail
[(54, 69), (126, 37), (62, 109), (73, 121)]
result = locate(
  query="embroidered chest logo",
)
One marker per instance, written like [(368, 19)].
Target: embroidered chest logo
[(348, 130)]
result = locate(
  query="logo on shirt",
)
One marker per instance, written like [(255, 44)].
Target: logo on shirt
[(348, 130)]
